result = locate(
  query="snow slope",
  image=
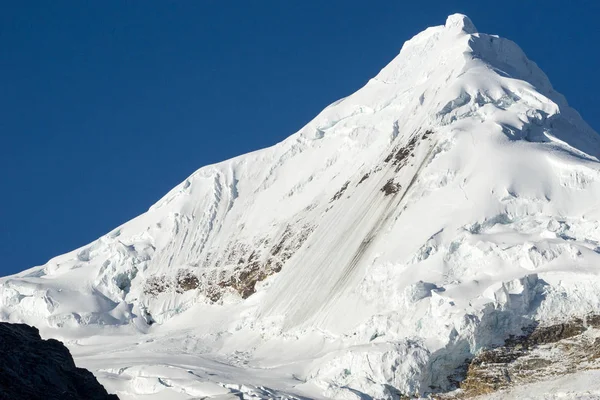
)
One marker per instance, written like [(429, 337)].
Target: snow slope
[(449, 202)]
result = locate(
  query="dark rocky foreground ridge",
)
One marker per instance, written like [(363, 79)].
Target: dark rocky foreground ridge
[(32, 368)]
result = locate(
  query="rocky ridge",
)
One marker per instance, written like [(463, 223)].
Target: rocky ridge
[(32, 369)]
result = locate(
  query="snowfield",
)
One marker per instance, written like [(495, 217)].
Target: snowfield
[(450, 202)]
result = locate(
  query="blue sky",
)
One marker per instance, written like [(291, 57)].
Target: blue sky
[(106, 106)]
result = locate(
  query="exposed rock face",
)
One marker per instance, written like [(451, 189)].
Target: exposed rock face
[(32, 368), (544, 352), (245, 265)]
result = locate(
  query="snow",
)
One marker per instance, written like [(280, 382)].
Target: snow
[(581, 386), (446, 204), (460, 22)]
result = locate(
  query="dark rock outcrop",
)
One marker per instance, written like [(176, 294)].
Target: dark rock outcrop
[(32, 368)]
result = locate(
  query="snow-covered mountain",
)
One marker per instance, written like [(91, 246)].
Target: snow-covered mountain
[(447, 204)]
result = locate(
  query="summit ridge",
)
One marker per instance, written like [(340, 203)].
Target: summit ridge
[(460, 22)]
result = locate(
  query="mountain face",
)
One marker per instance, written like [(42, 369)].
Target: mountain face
[(448, 204)]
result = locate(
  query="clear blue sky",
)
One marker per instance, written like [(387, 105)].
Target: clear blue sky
[(106, 105)]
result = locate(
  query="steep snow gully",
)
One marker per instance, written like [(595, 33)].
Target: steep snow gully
[(409, 228)]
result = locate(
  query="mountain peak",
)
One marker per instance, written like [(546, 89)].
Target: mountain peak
[(460, 22), (448, 203)]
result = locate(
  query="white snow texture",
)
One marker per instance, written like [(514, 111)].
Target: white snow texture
[(448, 203)]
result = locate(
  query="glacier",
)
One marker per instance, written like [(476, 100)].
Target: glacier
[(449, 203)]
